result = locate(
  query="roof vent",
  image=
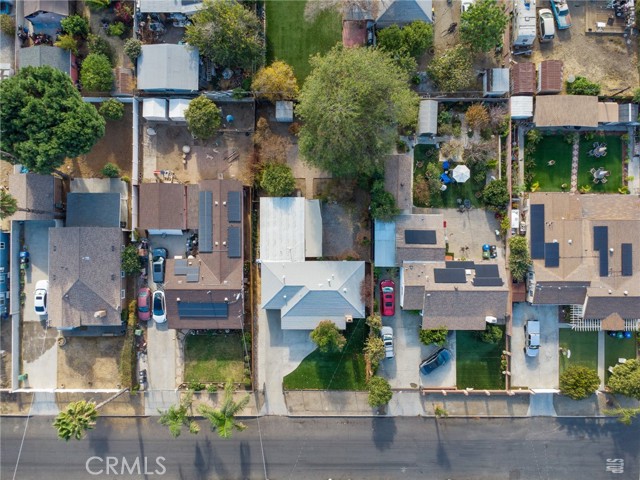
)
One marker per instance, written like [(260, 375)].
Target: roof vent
[(570, 242), (216, 203), (610, 292), (224, 203), (626, 292), (178, 299), (555, 240), (284, 296), (611, 250), (226, 299), (344, 290), (224, 243), (216, 244)]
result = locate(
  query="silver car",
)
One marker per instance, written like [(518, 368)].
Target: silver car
[(387, 339)]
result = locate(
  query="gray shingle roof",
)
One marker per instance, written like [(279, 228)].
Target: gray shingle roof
[(163, 206), (40, 55), (413, 297), (463, 310), (602, 307), (560, 293), (38, 193), (61, 7), (403, 12), (93, 210)]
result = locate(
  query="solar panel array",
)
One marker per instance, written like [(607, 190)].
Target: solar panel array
[(537, 231), (234, 207), (627, 259), (487, 282), (449, 275), (205, 222), (182, 267), (460, 264), (601, 245), (487, 271), (420, 237), (234, 245), (552, 255), (203, 310)]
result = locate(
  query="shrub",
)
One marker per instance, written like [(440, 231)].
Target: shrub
[(111, 109), (379, 392), (519, 257), (625, 379), (374, 322), (374, 350), (582, 86), (294, 128), (491, 334), (636, 95), (99, 45), (96, 74), (477, 116), (133, 48), (496, 195), (110, 170), (130, 260), (383, 203), (75, 25), (7, 25), (534, 136), (67, 42), (124, 12), (579, 382), (213, 388), (327, 337), (277, 180), (116, 29), (195, 386), (437, 336), (97, 4)]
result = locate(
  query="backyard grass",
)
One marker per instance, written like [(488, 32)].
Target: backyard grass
[(478, 363), (583, 347), (213, 358), (292, 39), (615, 348), (550, 178), (612, 162), (424, 154), (333, 371)]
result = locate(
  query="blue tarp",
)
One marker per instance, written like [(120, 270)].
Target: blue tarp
[(445, 178), (445, 166)]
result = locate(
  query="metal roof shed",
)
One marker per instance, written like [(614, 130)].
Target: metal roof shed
[(166, 67), (495, 82), (550, 76), (154, 109), (384, 247), (428, 118), (177, 107), (284, 111), (521, 107), (523, 79)]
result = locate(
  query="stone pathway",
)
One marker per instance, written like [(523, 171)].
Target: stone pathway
[(574, 164)]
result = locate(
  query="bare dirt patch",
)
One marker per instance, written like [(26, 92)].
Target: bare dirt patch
[(33, 337), (5, 353), (89, 362)]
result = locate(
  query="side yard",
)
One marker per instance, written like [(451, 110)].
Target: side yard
[(214, 358)]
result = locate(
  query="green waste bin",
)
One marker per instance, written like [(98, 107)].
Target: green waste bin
[(23, 377)]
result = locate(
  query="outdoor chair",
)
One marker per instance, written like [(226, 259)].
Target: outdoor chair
[(592, 171), (604, 180), (595, 180)]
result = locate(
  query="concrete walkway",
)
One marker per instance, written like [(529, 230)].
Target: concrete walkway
[(574, 164), (541, 405), (634, 164), (601, 371)]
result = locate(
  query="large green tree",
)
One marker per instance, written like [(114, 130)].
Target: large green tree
[(227, 33), (44, 119), (413, 39), (352, 103), (496, 195), (276, 82), (223, 419), (452, 70), (327, 337), (277, 179), (519, 257), (96, 74), (203, 117), (75, 420), (625, 379), (483, 24)]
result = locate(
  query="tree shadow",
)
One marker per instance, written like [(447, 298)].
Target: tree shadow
[(384, 432), (204, 459), (245, 459), (441, 454)]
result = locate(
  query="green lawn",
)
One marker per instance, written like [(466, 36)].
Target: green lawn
[(612, 162), (424, 154), (550, 178), (333, 371), (214, 358), (478, 363), (583, 347), (292, 39), (615, 348)]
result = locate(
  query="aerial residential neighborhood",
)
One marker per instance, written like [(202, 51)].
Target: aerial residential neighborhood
[(220, 214)]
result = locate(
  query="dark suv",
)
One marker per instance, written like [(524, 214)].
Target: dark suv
[(435, 360), (159, 261)]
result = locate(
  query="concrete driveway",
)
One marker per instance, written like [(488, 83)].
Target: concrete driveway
[(445, 375), (161, 356), (541, 371)]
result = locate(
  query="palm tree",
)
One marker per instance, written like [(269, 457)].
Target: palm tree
[(223, 419), (178, 416), (74, 420), (8, 204)]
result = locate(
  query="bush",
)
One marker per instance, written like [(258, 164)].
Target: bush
[(534, 136), (374, 322), (111, 109), (97, 4), (277, 180), (636, 95), (99, 45), (67, 42), (383, 204), (116, 29), (124, 12), (491, 334), (437, 336), (195, 386), (7, 25), (96, 74), (374, 351), (110, 170), (519, 257), (582, 86), (327, 337), (625, 379), (130, 260), (203, 117), (579, 382), (213, 388), (477, 116), (75, 25), (379, 392), (133, 49), (496, 195)]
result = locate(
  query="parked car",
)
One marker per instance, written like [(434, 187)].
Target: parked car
[(159, 263), (388, 297), (159, 307), (40, 297), (532, 338), (546, 27), (144, 304), (435, 360), (387, 339), (465, 4), (561, 12)]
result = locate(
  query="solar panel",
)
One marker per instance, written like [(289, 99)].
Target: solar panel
[(551, 255), (487, 282), (627, 259), (487, 271), (601, 238), (420, 237), (203, 310), (181, 267), (460, 264), (205, 222), (537, 231), (449, 275), (234, 207), (233, 242), (604, 263), (193, 274)]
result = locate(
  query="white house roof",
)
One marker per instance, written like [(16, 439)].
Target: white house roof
[(384, 251), (169, 6), (521, 107), (168, 67), (403, 12), (154, 109), (177, 107), (306, 293), (290, 229)]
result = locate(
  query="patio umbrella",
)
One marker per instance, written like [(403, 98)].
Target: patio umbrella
[(461, 173)]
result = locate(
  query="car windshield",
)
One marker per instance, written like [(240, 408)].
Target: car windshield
[(157, 267), (143, 309), (39, 309), (387, 289), (157, 304)]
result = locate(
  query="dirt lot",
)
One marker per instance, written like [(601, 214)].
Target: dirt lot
[(114, 147), (89, 362), (5, 353), (606, 59)]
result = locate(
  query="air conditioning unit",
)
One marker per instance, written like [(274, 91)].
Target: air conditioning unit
[(348, 318)]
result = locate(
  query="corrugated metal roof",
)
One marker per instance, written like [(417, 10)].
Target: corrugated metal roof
[(312, 229), (168, 67), (550, 76), (154, 109), (284, 111), (521, 107), (523, 78), (428, 117), (177, 107), (384, 250), (282, 229)]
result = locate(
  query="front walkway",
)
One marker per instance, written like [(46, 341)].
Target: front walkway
[(574, 164)]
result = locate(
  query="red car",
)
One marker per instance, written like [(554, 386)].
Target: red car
[(144, 304), (388, 297)]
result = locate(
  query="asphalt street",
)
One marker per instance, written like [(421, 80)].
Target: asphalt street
[(330, 448)]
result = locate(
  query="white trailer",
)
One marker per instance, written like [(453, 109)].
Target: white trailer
[(524, 24)]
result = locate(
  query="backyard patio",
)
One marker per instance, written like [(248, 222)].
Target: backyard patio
[(610, 162)]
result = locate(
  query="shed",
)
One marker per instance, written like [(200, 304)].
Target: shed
[(167, 67), (154, 109), (566, 111), (428, 118), (521, 107), (354, 33), (550, 74), (495, 82), (523, 79), (607, 112), (628, 113), (177, 107), (284, 111), (384, 246)]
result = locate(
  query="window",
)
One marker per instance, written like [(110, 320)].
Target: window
[(121, 273), (2, 245), (123, 294)]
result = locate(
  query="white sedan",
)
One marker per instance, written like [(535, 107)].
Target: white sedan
[(159, 308), (40, 297)]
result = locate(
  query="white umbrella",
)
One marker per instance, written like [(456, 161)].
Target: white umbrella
[(461, 173)]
